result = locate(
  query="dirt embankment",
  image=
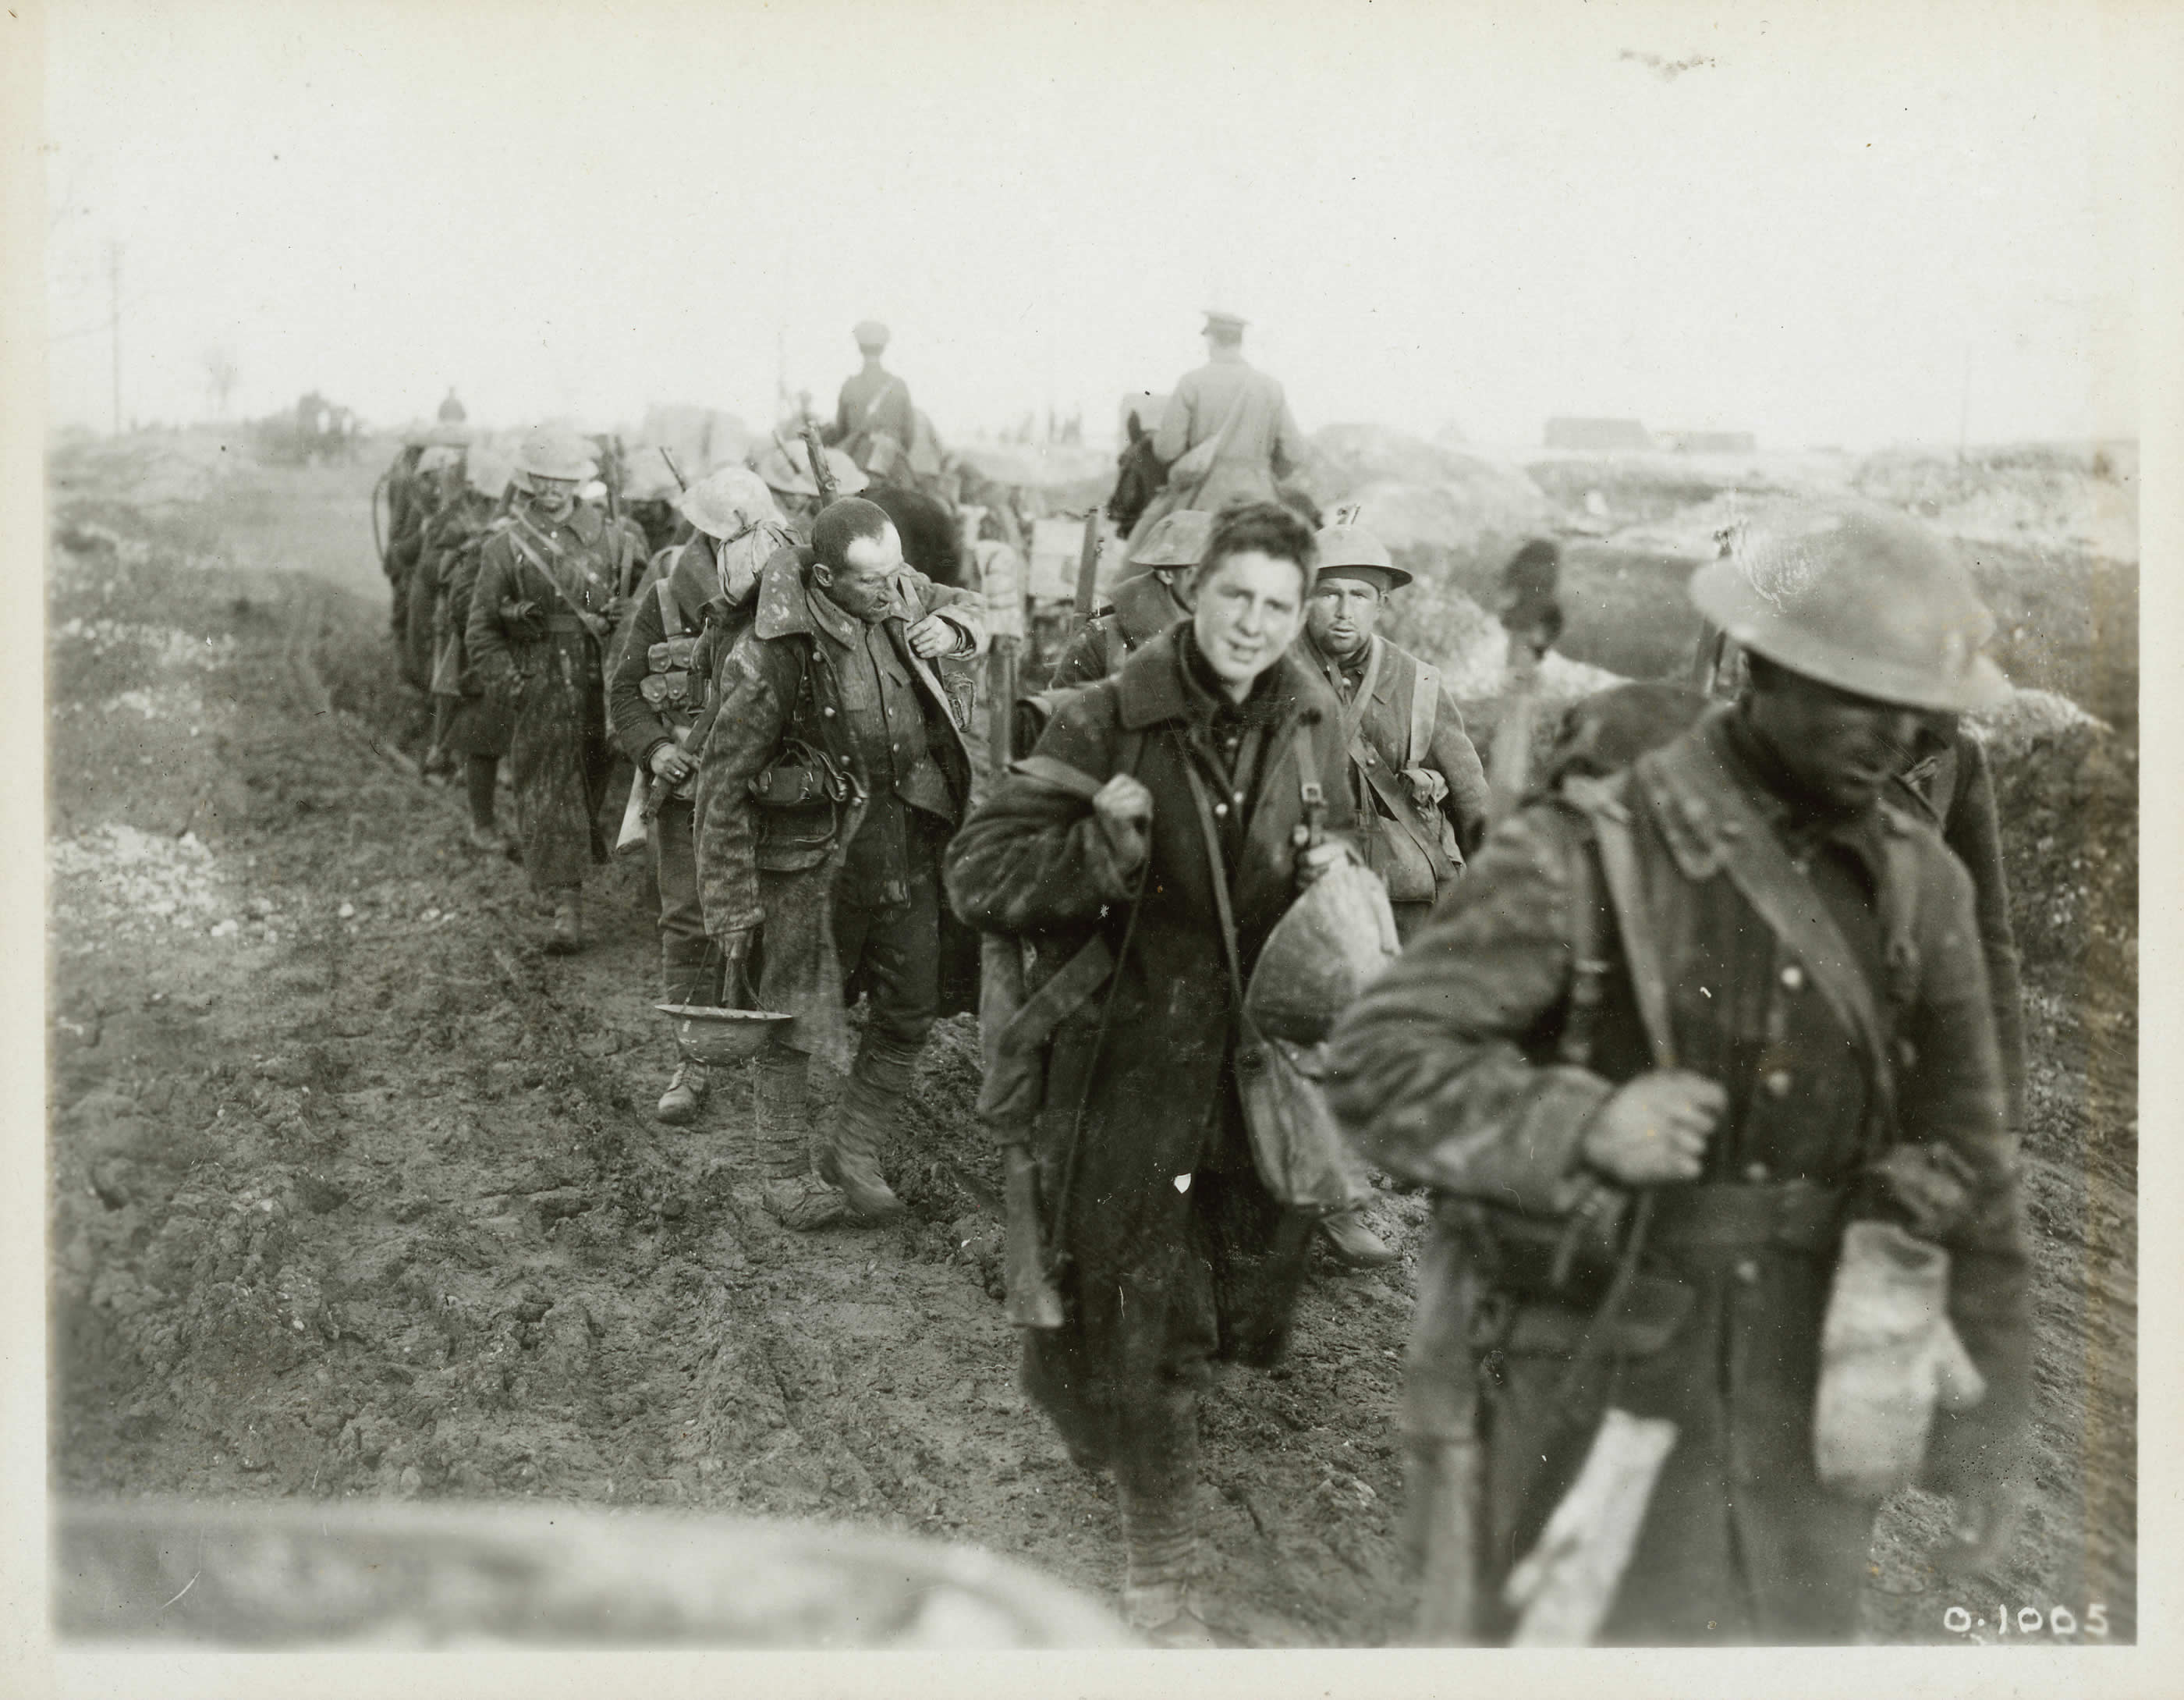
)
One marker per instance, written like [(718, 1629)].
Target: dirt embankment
[(356, 1193)]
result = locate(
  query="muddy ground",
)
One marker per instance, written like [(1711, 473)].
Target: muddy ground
[(354, 1192)]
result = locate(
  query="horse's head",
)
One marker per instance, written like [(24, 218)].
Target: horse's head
[(1139, 476)]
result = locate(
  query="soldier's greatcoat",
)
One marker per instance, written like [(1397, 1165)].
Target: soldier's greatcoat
[(537, 627), (1447, 1072), (1175, 1251), (1144, 608)]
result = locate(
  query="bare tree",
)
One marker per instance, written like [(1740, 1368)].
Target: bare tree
[(219, 377)]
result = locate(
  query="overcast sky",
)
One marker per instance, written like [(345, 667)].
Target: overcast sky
[(1482, 215)]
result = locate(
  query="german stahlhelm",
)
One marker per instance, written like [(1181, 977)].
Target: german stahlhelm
[(1177, 540), (555, 451), (1350, 551), (728, 502), (786, 467), (1856, 597)]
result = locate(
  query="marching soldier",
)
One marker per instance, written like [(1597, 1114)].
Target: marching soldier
[(543, 609), (833, 775), (681, 625), (1153, 598), (1213, 741), (452, 412), (1227, 434), (1415, 780), (874, 422), (1682, 1039), (1415, 777), (470, 721)]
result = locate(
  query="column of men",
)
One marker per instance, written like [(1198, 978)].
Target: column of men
[(1666, 1044)]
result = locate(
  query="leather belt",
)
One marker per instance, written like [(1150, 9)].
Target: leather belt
[(1805, 1215)]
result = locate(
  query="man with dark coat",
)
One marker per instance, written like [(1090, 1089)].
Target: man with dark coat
[(682, 623), (833, 776), (472, 722), (1173, 1251), (1675, 1032), (544, 608)]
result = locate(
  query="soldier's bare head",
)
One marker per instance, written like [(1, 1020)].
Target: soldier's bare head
[(1837, 747), (856, 554), (1248, 592)]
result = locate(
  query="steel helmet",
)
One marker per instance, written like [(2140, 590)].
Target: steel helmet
[(1332, 943), (1857, 597), (786, 467), (1353, 546), (728, 503), (555, 451), (488, 469), (1176, 540)]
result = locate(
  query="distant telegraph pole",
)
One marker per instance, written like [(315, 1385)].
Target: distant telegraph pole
[(114, 323)]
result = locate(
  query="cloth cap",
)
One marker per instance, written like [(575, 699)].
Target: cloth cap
[(1858, 597), (437, 456), (870, 334), (728, 503), (1176, 540), (1224, 319)]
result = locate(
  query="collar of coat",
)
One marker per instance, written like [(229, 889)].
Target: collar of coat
[(586, 521), (1144, 607), (1331, 670), (1151, 689)]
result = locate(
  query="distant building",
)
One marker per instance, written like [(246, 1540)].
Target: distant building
[(1710, 442), (1597, 435)]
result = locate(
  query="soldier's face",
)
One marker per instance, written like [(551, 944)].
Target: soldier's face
[(865, 584), (555, 495), (1841, 747), (1250, 608), (1341, 614)]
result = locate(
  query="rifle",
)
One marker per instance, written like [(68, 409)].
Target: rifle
[(681, 483), (1088, 576), (822, 475)]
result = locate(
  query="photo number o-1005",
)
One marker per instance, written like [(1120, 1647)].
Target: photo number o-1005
[(2059, 1621)]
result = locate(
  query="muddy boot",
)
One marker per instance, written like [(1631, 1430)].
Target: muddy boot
[(481, 777), (490, 839), (1353, 1244), (567, 936), (794, 1197), (685, 1093), (877, 1083), (1160, 1534)]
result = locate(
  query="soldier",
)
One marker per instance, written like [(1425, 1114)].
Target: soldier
[(681, 623), (1676, 1034), (543, 609), (833, 775), (1227, 434), (873, 420), (786, 467), (471, 722), (1415, 781), (1414, 774), (1173, 1250), (452, 412), (1153, 597)]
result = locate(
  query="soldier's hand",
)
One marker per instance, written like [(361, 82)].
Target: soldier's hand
[(1124, 807), (736, 944), (1654, 1128), (933, 637), (672, 764)]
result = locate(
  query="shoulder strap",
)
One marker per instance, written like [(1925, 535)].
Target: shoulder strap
[(1626, 896), (1221, 908), (670, 611), (1425, 712), (1588, 967), (1354, 710)]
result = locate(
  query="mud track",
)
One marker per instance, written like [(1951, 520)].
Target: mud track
[(363, 1196)]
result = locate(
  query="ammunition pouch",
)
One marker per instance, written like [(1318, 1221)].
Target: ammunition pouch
[(799, 795)]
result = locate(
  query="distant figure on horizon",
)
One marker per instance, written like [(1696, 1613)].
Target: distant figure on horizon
[(452, 412), (873, 421), (1227, 434)]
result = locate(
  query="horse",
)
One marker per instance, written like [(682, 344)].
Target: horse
[(1140, 475)]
